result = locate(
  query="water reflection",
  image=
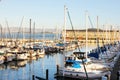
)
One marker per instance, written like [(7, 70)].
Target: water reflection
[(16, 64), (23, 70), (2, 67)]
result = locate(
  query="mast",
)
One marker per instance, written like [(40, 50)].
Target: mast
[(97, 28), (43, 34), (1, 32), (86, 24), (118, 34), (30, 30), (64, 30), (34, 32), (109, 33), (22, 35), (56, 33), (106, 33), (99, 50), (97, 35)]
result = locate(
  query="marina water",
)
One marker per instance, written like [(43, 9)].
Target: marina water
[(23, 70)]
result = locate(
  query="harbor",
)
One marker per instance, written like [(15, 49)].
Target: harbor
[(35, 67), (54, 57), (59, 40)]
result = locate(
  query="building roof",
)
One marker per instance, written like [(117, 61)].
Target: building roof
[(91, 30)]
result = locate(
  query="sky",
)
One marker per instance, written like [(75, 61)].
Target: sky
[(50, 13)]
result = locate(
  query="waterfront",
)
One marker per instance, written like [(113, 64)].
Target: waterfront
[(48, 43), (37, 66), (23, 70)]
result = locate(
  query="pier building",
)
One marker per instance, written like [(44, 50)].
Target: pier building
[(104, 36)]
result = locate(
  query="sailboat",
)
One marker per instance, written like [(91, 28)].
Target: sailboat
[(104, 54), (1, 59), (78, 65)]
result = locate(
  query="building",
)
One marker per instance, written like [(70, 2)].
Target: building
[(93, 34)]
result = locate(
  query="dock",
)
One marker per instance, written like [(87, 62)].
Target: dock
[(114, 72)]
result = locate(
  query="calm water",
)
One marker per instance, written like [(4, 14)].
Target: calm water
[(23, 70), (50, 36), (15, 71)]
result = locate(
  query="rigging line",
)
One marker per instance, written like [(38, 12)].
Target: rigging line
[(73, 30), (91, 24), (94, 33), (77, 42), (8, 28), (90, 21), (19, 29)]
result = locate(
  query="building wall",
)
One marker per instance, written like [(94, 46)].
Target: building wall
[(105, 36)]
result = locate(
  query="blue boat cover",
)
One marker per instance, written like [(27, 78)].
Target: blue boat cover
[(95, 55), (61, 45), (76, 65)]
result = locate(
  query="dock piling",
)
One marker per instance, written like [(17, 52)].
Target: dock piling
[(33, 77), (118, 74), (46, 74), (57, 69)]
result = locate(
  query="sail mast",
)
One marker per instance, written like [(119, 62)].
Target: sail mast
[(86, 24), (97, 35), (30, 30), (97, 28), (34, 32), (64, 30), (1, 32)]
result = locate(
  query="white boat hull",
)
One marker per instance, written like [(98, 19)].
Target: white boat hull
[(21, 56), (1, 59)]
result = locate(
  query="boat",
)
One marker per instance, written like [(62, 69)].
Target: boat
[(17, 64), (95, 67), (2, 59), (19, 54), (74, 67), (41, 52), (31, 53), (79, 65), (39, 49), (9, 57)]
